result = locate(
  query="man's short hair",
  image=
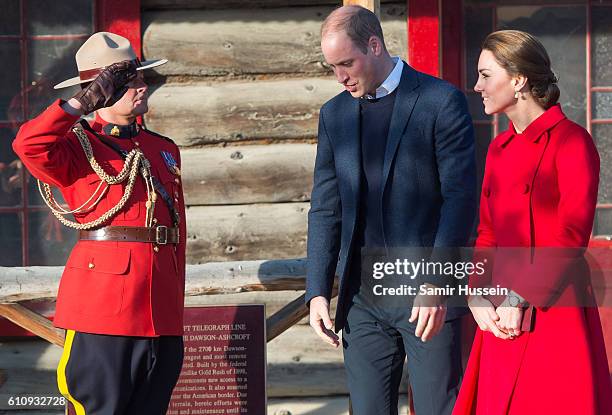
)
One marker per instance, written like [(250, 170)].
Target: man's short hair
[(359, 24)]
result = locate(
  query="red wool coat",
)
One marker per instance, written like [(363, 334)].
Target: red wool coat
[(120, 288), (540, 190)]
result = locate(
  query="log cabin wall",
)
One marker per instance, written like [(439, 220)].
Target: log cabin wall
[(241, 96)]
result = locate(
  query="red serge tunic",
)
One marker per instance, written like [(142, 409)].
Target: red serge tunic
[(119, 288), (540, 189)]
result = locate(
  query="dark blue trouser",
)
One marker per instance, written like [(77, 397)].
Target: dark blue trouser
[(376, 340), (114, 375)]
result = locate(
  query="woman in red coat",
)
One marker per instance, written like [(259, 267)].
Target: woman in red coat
[(539, 190)]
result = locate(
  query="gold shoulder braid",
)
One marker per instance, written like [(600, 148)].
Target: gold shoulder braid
[(134, 161)]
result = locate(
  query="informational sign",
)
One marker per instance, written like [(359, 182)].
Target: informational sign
[(224, 368)]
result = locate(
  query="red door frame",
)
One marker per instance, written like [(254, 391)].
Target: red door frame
[(434, 27)]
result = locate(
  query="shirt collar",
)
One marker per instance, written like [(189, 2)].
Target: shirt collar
[(539, 126), (114, 130), (390, 84)]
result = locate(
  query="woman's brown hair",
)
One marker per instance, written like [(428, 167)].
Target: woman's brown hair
[(520, 53)]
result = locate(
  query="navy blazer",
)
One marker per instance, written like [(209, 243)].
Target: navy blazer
[(429, 178)]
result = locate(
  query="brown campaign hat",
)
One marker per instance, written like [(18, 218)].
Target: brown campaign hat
[(102, 49)]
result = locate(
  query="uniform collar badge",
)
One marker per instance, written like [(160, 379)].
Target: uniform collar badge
[(171, 164), (121, 131)]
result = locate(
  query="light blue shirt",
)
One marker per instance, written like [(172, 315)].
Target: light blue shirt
[(390, 84)]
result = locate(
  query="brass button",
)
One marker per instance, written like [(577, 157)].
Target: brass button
[(154, 220), (136, 143), (156, 248), (176, 195), (177, 180), (91, 265)]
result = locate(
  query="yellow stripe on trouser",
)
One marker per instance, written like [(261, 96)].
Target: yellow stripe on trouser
[(61, 374)]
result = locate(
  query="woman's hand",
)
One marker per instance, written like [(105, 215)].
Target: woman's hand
[(485, 315), (509, 319)]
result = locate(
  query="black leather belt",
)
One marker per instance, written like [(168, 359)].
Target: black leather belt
[(160, 235)]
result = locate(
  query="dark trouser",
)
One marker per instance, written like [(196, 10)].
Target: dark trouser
[(112, 375), (376, 341)]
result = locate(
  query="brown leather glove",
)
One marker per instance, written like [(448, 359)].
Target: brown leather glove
[(108, 87)]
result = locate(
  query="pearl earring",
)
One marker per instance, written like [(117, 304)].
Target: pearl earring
[(516, 95)]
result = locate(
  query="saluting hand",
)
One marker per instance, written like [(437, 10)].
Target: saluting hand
[(107, 88)]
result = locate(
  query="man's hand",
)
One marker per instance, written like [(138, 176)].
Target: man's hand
[(320, 321), (485, 315), (509, 318), (430, 312), (107, 88)]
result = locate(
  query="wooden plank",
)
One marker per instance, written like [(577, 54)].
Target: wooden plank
[(372, 5), (227, 4), (251, 41), (246, 232), (248, 174), (36, 283), (237, 111), (33, 322)]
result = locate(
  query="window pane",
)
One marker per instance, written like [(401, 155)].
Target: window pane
[(602, 105), (10, 17), (10, 239), (562, 30), (603, 222), (478, 24), (50, 242), (10, 170), (601, 47), (10, 80), (60, 17), (602, 133), (49, 63)]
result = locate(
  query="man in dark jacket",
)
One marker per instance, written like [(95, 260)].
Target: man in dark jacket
[(394, 169)]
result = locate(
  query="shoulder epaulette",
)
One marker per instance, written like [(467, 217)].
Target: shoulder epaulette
[(158, 135)]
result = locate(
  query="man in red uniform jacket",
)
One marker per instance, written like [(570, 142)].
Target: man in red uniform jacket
[(121, 294)]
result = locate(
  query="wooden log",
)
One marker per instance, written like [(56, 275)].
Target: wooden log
[(231, 4), (248, 174), (273, 300), (244, 232), (37, 283), (236, 111), (251, 41), (33, 322)]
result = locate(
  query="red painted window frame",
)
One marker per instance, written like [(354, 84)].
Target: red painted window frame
[(117, 16), (121, 17)]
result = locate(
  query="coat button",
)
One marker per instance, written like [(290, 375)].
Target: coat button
[(156, 248), (525, 189), (177, 180), (91, 265)]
